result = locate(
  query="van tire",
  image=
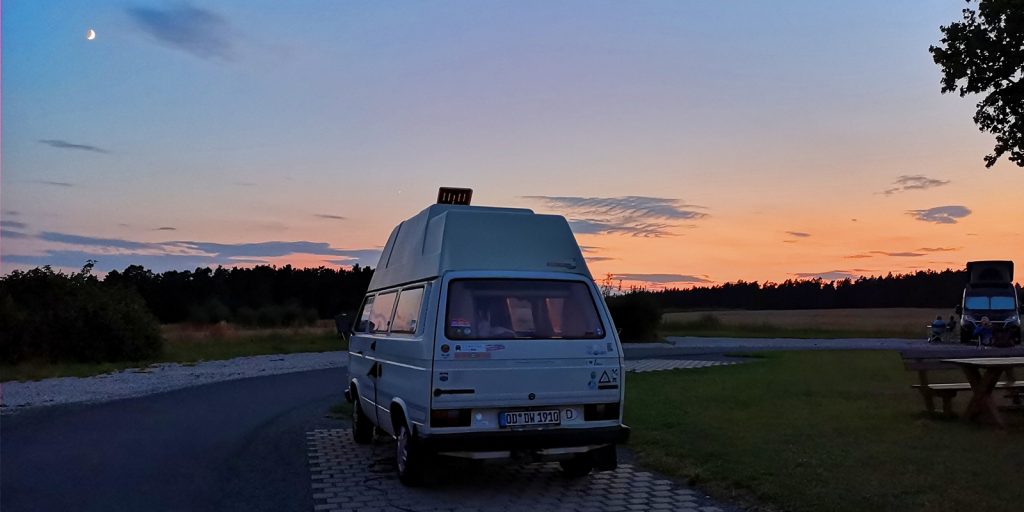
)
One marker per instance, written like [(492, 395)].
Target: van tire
[(362, 427), (410, 459), (578, 466)]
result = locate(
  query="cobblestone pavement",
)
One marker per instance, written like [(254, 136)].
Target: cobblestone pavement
[(657, 365), (347, 476)]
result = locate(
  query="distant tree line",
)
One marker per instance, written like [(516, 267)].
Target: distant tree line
[(920, 289), (263, 295)]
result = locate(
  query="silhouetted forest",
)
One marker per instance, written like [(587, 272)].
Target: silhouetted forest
[(261, 295), (272, 296), (921, 289)]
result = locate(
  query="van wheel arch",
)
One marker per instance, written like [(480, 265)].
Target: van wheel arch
[(398, 417)]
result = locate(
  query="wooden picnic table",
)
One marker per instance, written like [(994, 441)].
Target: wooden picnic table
[(983, 373)]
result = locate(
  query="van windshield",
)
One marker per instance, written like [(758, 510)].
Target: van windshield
[(489, 309), (989, 303)]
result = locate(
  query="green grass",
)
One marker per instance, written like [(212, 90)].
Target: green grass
[(775, 331), (802, 323), (185, 348), (809, 431)]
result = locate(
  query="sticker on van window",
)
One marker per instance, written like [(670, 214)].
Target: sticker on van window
[(459, 322)]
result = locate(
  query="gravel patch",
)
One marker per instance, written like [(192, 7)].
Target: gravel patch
[(18, 396)]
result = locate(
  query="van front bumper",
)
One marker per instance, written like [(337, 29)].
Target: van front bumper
[(509, 440)]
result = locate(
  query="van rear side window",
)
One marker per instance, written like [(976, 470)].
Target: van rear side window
[(407, 314), (490, 309), (380, 316)]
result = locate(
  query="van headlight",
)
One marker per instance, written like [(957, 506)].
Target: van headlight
[(1013, 320)]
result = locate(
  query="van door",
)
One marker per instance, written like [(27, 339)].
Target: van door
[(524, 343), (360, 364), (404, 358)]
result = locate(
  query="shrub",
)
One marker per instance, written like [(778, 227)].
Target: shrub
[(636, 315), (73, 317)]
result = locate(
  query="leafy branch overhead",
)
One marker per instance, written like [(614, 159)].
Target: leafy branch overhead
[(984, 54)]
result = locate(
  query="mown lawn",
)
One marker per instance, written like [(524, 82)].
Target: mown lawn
[(811, 431), (183, 345)]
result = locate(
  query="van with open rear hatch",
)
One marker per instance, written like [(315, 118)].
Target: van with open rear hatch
[(483, 335)]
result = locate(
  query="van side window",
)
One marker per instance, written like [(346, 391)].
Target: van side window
[(408, 311), (380, 316), (364, 315)]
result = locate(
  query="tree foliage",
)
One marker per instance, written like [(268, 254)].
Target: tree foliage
[(52, 316), (923, 289), (984, 54), (263, 295)]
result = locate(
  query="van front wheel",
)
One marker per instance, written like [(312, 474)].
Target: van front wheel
[(362, 427), (410, 460)]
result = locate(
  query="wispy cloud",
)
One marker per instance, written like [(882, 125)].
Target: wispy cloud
[(329, 216), (595, 259), (639, 216), (118, 252), (662, 278), (197, 31), (54, 183), (7, 233), (941, 214), (63, 144), (13, 224), (939, 249), (89, 241), (903, 254), (798, 234), (913, 182), (858, 256), (166, 228), (640, 229)]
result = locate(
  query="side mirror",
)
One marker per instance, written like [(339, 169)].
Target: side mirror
[(959, 310), (343, 323)]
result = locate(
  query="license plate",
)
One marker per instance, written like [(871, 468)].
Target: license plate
[(529, 418)]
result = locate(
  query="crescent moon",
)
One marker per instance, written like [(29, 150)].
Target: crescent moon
[(90, 35)]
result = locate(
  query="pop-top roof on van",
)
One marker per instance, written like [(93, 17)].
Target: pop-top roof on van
[(990, 272), (447, 237)]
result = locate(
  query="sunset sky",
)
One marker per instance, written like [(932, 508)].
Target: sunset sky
[(686, 142)]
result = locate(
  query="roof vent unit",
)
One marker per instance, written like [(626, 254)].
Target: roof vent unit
[(448, 195)]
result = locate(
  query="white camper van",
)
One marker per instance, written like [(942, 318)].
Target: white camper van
[(482, 335)]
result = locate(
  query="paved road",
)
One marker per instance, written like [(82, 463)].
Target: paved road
[(242, 445), (248, 444), (237, 445)]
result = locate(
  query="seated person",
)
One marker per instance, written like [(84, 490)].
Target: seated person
[(938, 325), (951, 324), (984, 331)]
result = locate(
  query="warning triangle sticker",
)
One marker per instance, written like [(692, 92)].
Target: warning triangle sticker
[(604, 378)]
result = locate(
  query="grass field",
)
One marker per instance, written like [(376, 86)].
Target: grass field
[(810, 431), (186, 344), (803, 323)]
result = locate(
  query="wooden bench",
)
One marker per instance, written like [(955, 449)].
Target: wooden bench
[(924, 360)]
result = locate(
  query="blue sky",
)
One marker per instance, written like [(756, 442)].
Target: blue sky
[(227, 132)]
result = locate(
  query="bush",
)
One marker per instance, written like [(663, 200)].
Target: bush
[(73, 317), (636, 315)]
